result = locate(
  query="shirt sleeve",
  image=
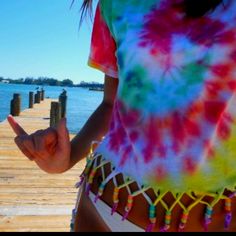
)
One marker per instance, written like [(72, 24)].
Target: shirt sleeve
[(103, 47)]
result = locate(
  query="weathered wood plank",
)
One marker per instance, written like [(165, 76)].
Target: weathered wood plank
[(29, 210), (34, 223), (31, 190), (38, 200)]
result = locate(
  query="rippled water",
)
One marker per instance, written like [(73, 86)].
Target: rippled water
[(80, 105)]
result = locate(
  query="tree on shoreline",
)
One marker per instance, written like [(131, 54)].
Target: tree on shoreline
[(46, 81)]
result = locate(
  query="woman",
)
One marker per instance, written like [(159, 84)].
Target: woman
[(165, 151)]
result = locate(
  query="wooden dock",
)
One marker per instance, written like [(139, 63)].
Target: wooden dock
[(31, 200)]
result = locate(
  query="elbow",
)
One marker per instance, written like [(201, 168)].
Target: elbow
[(107, 104)]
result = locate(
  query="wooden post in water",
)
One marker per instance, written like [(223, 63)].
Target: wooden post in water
[(37, 98), (15, 105), (31, 99), (63, 101), (42, 94), (55, 113)]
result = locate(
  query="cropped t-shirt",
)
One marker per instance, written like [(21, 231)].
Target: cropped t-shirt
[(173, 125)]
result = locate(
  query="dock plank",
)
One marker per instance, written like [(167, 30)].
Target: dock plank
[(29, 197), (34, 223)]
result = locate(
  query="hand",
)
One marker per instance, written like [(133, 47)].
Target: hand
[(49, 148)]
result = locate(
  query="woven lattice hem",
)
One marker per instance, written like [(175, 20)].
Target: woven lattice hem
[(96, 162)]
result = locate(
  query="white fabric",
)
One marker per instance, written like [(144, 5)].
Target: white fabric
[(114, 221)]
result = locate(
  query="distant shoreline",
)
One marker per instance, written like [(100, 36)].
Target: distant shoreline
[(45, 81)]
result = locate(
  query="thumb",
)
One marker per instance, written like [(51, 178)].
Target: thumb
[(62, 134)]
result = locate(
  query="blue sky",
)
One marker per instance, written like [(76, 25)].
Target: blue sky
[(41, 38)]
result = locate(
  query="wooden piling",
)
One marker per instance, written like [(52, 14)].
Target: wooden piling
[(63, 101), (31, 99), (37, 98), (42, 95), (55, 113), (15, 105)]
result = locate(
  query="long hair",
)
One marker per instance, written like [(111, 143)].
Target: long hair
[(85, 9), (192, 8)]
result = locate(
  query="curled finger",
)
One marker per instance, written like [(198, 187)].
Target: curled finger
[(20, 144), (43, 141)]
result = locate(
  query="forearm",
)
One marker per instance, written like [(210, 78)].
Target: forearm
[(94, 129)]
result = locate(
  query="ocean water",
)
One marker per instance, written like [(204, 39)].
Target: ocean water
[(81, 102)]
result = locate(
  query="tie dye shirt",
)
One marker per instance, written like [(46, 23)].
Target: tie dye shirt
[(174, 119)]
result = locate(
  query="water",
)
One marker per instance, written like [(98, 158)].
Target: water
[(80, 102)]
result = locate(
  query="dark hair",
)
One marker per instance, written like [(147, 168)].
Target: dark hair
[(85, 9), (198, 8), (192, 8)]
